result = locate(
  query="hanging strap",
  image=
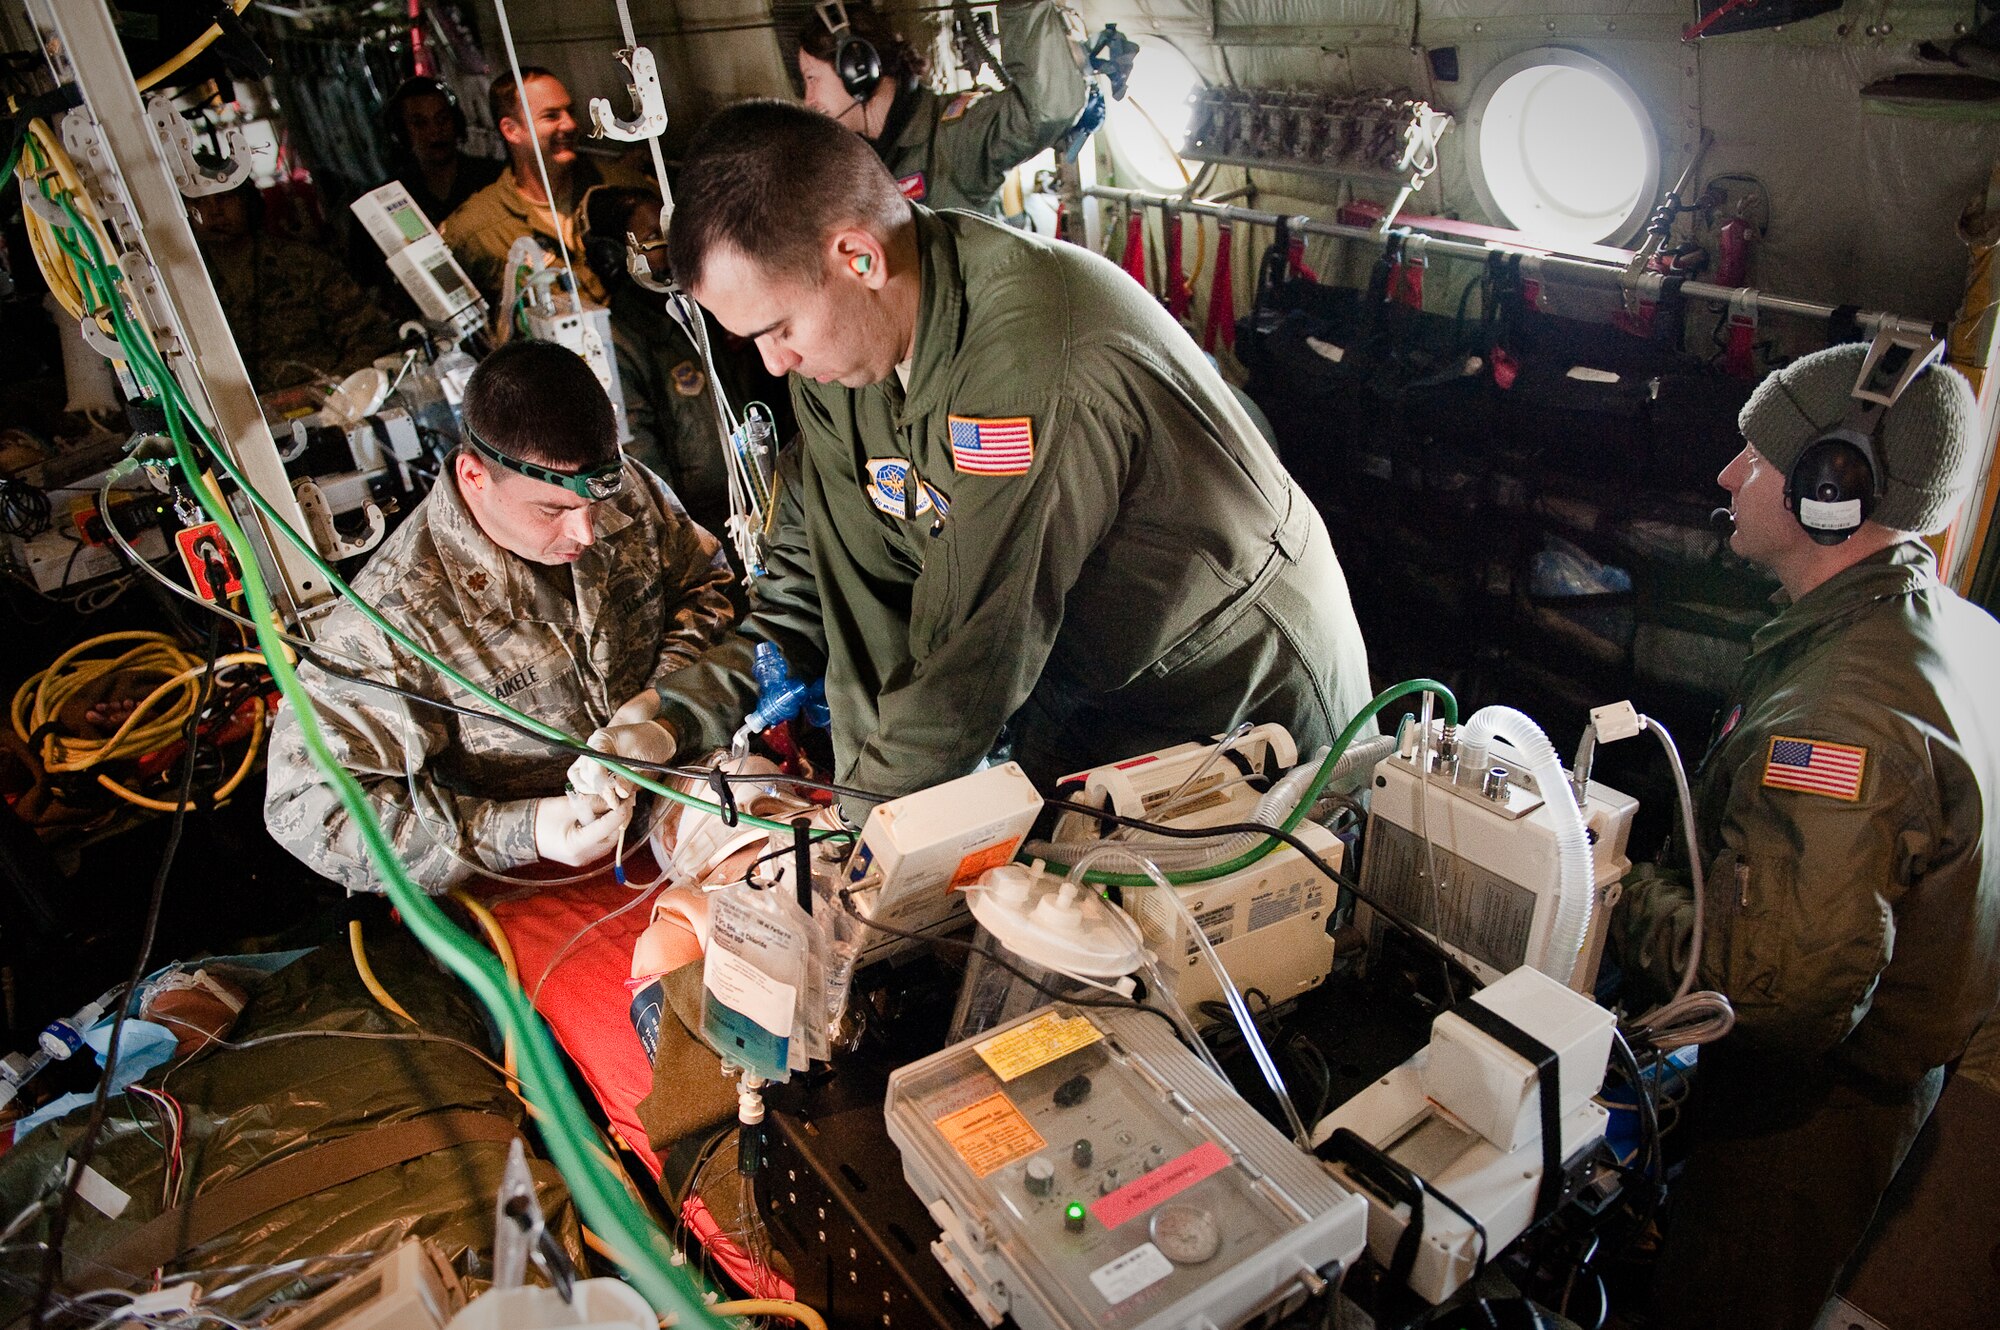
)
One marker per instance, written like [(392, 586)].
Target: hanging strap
[(1394, 1183), (1134, 259), (162, 1240), (1179, 296), (1295, 252), (1221, 294)]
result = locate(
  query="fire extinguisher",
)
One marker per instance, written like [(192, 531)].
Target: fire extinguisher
[(1733, 239)]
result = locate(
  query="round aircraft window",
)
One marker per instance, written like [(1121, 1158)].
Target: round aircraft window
[(1148, 127), (1562, 148)]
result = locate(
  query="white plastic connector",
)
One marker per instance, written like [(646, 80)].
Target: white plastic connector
[(750, 1099), (173, 1300), (1618, 720)]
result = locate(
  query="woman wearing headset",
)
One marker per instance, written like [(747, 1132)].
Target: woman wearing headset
[(950, 151)]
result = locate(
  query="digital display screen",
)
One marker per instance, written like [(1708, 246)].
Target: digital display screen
[(445, 273), (410, 222)]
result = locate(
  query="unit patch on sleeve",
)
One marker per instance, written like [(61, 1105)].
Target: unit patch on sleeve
[(912, 186), (688, 379), (888, 489), (956, 107), (992, 447), (1813, 766)]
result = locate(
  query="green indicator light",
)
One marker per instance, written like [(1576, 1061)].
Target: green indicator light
[(1073, 1216), (1075, 1210)]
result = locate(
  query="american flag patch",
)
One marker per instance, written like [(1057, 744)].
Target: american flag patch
[(992, 447), (1815, 767)]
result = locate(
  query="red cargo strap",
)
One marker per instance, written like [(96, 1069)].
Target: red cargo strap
[(1221, 294), (1179, 295), (1134, 260)]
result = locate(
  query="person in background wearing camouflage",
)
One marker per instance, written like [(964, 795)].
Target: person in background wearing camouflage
[(486, 225), (294, 311), (1852, 903), (1021, 497), (952, 150), (560, 577)]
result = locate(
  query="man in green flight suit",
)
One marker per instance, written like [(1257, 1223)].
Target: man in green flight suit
[(954, 150), (1851, 910), (1021, 498)]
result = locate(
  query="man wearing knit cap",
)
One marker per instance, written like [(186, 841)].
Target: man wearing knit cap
[(1852, 902)]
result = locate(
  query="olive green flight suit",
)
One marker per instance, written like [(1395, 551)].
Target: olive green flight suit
[(1064, 525), (954, 150), (486, 226), (670, 404), (1858, 938)]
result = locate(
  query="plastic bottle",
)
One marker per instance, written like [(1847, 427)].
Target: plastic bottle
[(64, 1036)]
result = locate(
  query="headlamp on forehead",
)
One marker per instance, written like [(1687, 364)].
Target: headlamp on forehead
[(595, 484)]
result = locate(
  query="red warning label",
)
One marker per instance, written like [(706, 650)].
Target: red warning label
[(1162, 1184)]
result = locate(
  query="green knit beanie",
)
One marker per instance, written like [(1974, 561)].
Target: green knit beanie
[(1928, 441)]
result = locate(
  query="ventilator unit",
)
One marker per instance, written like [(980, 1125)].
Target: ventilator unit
[(1478, 839)]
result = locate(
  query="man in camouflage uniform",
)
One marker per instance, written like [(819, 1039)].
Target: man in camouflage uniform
[(486, 225), (295, 312), (1852, 902), (1021, 498), (952, 150), (569, 597)]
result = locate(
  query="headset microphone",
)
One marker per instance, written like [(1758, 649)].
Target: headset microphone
[(1722, 519)]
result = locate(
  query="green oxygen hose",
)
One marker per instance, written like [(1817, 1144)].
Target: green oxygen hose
[(1190, 876), (641, 1248), (172, 390)]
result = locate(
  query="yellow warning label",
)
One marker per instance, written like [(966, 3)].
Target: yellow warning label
[(1036, 1044), (989, 1134)]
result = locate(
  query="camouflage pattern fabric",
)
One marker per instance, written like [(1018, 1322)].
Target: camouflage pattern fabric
[(565, 644), (296, 313)]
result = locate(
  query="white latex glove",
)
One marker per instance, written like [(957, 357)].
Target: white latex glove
[(579, 829), (631, 732)]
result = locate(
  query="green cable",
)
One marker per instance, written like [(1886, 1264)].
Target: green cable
[(1190, 876), (640, 1246), (178, 399), (305, 547)]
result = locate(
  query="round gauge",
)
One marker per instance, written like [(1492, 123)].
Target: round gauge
[(1185, 1234)]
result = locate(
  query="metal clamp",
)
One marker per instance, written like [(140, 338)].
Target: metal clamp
[(178, 142), (640, 269), (647, 99), (334, 547)]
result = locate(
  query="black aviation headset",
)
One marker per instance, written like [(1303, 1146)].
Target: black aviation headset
[(421, 85), (855, 59), (1837, 481)]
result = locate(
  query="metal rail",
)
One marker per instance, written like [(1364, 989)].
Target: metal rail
[(1605, 273), (147, 217)]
